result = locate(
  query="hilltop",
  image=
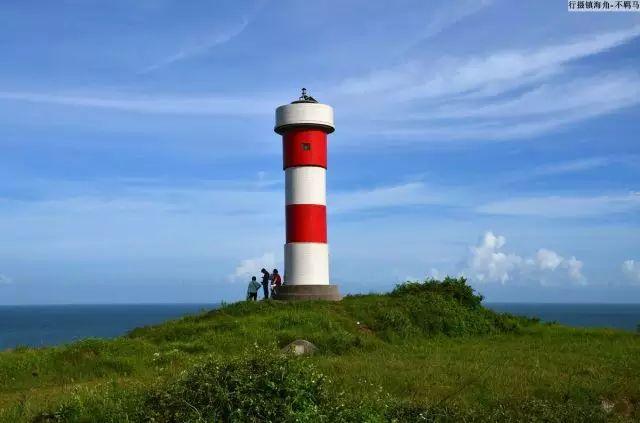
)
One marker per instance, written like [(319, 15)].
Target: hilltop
[(423, 352)]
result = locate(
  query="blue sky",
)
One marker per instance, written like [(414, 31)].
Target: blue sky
[(492, 139)]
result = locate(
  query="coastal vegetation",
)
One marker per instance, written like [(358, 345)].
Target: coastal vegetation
[(427, 351)]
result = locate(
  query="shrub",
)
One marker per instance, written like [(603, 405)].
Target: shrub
[(431, 308), (260, 387), (456, 288)]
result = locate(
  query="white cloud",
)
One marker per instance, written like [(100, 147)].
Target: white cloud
[(5, 280), (489, 263), (548, 259), (631, 270), (574, 267), (564, 207), (251, 267)]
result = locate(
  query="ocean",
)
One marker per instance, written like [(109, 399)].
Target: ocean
[(620, 316), (42, 325), (39, 326)]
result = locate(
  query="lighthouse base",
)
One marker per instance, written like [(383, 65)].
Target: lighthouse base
[(308, 292)]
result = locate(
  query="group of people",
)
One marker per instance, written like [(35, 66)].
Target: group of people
[(272, 281)]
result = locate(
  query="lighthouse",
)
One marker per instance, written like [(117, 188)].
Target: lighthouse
[(304, 125)]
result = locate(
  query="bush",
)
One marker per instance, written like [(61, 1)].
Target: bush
[(261, 387), (456, 288), (430, 308)]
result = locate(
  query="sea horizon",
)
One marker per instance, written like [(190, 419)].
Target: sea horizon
[(230, 302), (42, 325)]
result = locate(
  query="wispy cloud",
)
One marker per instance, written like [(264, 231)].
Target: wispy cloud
[(554, 169), (499, 96), (247, 198), (199, 47), (403, 195), (528, 115), (5, 280), (598, 93), (451, 76), (564, 206), (502, 95), (223, 198), (573, 166), (200, 105), (494, 130), (444, 17), (160, 220), (206, 43)]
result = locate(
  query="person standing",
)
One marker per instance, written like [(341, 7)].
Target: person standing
[(276, 281), (252, 289), (265, 282)]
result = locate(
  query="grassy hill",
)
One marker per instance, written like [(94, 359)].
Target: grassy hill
[(424, 352)]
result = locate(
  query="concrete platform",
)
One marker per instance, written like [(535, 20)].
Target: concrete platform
[(308, 292)]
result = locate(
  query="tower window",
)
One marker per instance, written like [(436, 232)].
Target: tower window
[(306, 146)]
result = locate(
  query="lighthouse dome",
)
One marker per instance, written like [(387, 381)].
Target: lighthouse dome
[(304, 112)]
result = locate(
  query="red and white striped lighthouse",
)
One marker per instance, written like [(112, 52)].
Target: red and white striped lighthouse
[(304, 125)]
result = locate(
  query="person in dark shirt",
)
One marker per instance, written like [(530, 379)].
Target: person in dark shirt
[(265, 283)]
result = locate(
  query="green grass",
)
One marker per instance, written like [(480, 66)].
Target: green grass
[(425, 352)]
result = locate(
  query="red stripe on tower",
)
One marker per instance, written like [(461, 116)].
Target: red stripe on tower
[(304, 147), (306, 223)]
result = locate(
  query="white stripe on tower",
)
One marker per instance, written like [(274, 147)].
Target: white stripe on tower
[(306, 185), (306, 263)]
